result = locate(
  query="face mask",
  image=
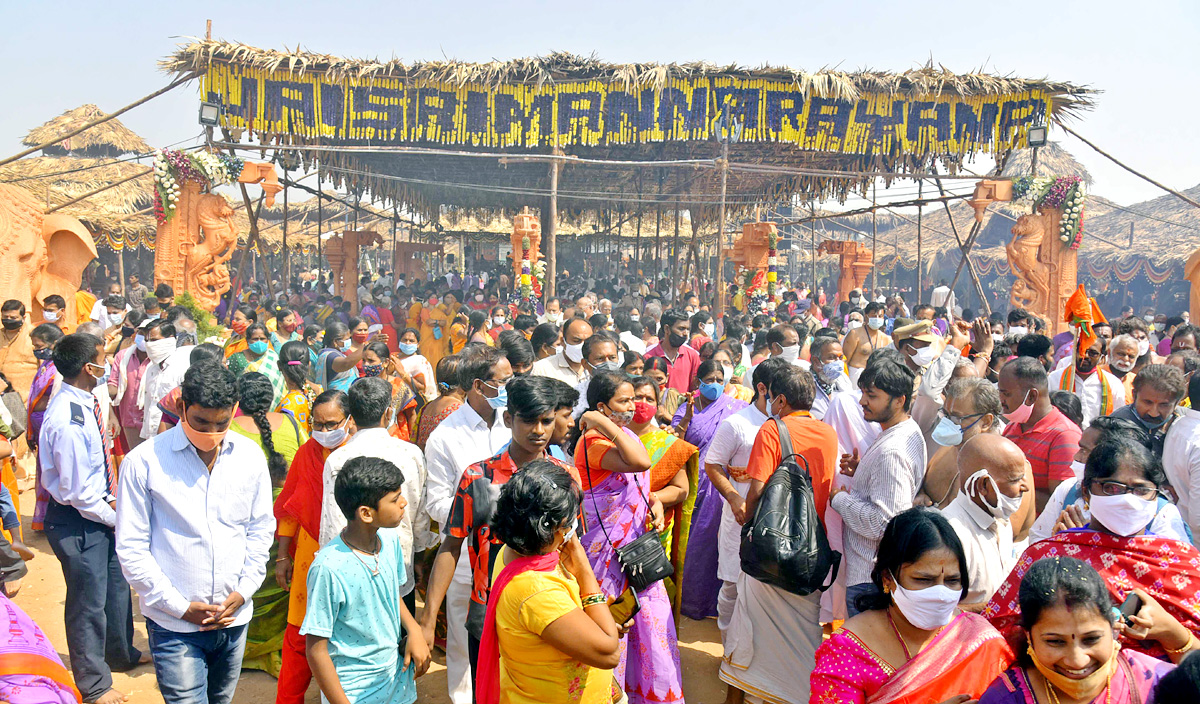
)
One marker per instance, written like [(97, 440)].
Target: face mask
[(555, 318), (12, 323), (1077, 468), (1151, 423), (1121, 365), (50, 316), (924, 356), (1148, 318), (99, 377), (608, 366), (160, 349), (634, 317), (500, 400), (790, 353), (853, 325), (677, 340), (45, 354), (712, 391), (574, 353), (875, 323), (643, 412), (1006, 506), (622, 419), (1143, 347), (203, 442), (258, 347), (709, 329), (1017, 329), (290, 327), (728, 372), (830, 371), (127, 331), (115, 319), (408, 347), (1073, 688), (929, 608), (947, 433), (329, 439), (1160, 327), (372, 369), (1023, 411), (997, 337), (346, 344), (359, 337), (498, 320), (139, 341), (1125, 514)]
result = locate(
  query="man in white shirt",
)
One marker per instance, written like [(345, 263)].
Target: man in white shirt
[(98, 312), (1181, 459), (168, 363), (566, 365), (942, 297), (625, 324), (78, 474), (994, 482), (1100, 392), (474, 432), (194, 529), (725, 465), (369, 399)]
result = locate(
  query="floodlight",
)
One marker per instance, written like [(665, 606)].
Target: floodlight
[(210, 114), (1036, 136)]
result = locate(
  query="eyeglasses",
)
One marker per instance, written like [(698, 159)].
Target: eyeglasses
[(1093, 354), (958, 420), (499, 383), (1111, 488)]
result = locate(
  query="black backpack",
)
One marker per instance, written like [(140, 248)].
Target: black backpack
[(784, 543)]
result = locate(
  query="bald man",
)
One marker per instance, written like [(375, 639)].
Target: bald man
[(995, 482)]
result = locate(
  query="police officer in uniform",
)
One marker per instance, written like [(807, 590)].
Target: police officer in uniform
[(79, 475)]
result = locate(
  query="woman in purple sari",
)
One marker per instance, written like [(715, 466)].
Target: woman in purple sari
[(697, 421), (30, 669), (614, 471), (44, 337)]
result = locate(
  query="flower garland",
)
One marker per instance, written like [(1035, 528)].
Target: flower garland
[(539, 277), (772, 270), (526, 283), (1065, 192), (171, 166)]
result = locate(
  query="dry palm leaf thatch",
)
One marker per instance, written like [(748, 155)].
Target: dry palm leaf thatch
[(1166, 231), (194, 57), (106, 139), (64, 178)]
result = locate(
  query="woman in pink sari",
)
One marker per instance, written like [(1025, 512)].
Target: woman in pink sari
[(30, 670), (911, 644), (44, 337), (613, 467), (1071, 651)]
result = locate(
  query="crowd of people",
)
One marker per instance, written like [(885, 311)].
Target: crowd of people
[(334, 485)]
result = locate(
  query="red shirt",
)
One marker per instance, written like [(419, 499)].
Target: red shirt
[(812, 439), (681, 371), (1050, 445), (393, 339)]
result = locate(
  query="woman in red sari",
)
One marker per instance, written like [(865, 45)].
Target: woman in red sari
[(1122, 483), (911, 644)]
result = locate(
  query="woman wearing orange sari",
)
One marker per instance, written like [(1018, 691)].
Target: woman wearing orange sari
[(435, 326), (911, 644)]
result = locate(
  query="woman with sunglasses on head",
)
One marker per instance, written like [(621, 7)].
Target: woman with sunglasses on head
[(618, 509), (1122, 485)]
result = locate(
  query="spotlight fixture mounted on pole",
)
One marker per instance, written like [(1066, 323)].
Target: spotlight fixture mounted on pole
[(210, 114)]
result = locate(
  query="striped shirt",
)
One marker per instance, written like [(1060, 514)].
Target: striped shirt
[(886, 482), (1049, 445)]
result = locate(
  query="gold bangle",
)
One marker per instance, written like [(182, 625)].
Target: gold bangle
[(594, 600), (1186, 646)]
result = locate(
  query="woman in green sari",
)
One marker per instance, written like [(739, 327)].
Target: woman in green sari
[(260, 357), (280, 437), (674, 476)]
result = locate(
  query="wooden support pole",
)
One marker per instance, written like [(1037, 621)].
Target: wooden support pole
[(874, 240), (549, 233), (920, 195), (675, 252), (970, 265)]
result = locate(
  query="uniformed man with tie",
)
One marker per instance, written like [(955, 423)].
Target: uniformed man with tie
[(79, 475)]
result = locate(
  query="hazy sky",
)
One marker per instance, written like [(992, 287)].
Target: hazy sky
[(59, 55)]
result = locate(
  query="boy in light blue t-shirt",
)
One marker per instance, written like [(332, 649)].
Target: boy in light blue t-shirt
[(356, 619)]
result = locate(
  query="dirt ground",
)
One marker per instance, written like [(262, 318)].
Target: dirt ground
[(43, 591)]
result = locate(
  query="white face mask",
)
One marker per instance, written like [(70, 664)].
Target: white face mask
[(497, 320), (854, 325), (1125, 514), (875, 323), (790, 354), (997, 337), (1017, 329), (924, 356), (330, 439), (555, 318), (50, 316), (928, 609), (1143, 347), (709, 329), (1077, 467), (1006, 506), (1148, 318), (158, 350), (574, 353)]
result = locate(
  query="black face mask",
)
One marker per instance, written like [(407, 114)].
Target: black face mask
[(126, 331), (45, 354), (13, 323), (678, 340)]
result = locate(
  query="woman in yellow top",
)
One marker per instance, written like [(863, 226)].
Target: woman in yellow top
[(458, 332), (301, 393), (548, 635)]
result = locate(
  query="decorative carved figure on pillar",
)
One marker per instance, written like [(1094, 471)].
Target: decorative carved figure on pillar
[(525, 224), (342, 253), (854, 262), (1045, 270)]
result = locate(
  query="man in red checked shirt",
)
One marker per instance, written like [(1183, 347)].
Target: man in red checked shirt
[(682, 361)]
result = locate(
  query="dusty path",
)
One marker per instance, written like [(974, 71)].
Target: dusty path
[(42, 598)]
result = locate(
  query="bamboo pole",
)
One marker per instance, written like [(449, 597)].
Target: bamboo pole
[(675, 252), (920, 191), (550, 234), (874, 237)]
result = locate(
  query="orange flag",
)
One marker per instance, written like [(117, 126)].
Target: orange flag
[(1080, 312)]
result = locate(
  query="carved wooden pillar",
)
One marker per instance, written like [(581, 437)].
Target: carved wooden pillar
[(1045, 269), (176, 237)]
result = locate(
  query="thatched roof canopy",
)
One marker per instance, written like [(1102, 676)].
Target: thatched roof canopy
[(422, 170), (109, 139), (1166, 230)]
